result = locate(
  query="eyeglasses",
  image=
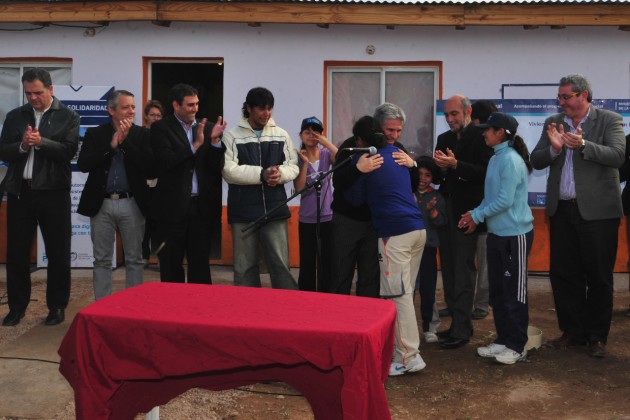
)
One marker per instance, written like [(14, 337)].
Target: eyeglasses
[(155, 115), (567, 97)]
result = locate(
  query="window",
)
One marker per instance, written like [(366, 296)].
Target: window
[(356, 90), (11, 95)]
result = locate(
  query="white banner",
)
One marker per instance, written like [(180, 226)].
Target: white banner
[(91, 105), (531, 115)]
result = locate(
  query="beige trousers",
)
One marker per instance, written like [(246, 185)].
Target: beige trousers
[(399, 260)]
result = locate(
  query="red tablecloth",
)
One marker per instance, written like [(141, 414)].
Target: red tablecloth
[(143, 346)]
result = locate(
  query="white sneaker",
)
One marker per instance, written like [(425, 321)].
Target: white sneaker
[(397, 369), (509, 356), (491, 351), (430, 337), (414, 365)]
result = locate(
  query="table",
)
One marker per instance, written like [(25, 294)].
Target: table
[(143, 346)]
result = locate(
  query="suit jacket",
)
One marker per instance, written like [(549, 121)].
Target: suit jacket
[(624, 176), (59, 128), (595, 169), (466, 182), (174, 165), (96, 157)]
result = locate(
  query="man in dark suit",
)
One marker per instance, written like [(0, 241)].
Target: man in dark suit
[(583, 147), (624, 176), (462, 156), (117, 157), (38, 141), (188, 160)]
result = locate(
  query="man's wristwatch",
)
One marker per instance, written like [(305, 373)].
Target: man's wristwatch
[(581, 148)]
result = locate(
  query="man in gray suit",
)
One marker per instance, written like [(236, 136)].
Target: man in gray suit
[(583, 146)]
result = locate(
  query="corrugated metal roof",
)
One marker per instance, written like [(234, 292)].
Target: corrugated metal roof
[(358, 1), (434, 1)]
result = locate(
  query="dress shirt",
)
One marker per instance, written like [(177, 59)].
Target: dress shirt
[(567, 179), (28, 168), (189, 134), (117, 175)]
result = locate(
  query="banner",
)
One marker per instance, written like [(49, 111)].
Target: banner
[(90, 102), (531, 115)]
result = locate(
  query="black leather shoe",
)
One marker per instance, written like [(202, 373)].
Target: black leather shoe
[(453, 343), (13, 318), (597, 349), (479, 314), (443, 334), (55, 316), (563, 342)]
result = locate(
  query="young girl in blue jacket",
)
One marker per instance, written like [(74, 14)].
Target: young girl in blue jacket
[(510, 232)]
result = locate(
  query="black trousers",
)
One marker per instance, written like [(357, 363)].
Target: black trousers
[(51, 210), (307, 279), (190, 239), (426, 282), (583, 254), (458, 252), (507, 277), (356, 244)]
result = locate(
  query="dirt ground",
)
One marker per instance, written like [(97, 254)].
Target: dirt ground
[(456, 384)]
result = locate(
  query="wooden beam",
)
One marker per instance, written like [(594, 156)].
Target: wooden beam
[(456, 15), (555, 14), (17, 11), (352, 14)]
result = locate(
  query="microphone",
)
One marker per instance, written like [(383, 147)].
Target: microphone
[(371, 150)]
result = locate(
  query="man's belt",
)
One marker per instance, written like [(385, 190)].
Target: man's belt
[(118, 196)]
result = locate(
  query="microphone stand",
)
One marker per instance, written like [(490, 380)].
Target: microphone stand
[(317, 184)]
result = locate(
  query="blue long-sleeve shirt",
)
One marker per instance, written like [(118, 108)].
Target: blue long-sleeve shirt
[(504, 207), (387, 192)]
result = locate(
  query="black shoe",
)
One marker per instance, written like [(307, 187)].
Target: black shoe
[(597, 349), (453, 343), (443, 334), (55, 316), (562, 342), (479, 314), (13, 318), (444, 312)]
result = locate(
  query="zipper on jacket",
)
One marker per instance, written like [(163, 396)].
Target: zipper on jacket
[(262, 184)]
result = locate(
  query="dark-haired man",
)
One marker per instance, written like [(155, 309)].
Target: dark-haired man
[(188, 157), (259, 159), (117, 156), (481, 110), (38, 140)]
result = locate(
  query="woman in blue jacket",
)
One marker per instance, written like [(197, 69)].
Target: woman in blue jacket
[(401, 237), (510, 232)]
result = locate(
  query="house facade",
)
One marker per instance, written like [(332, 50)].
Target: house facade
[(334, 60)]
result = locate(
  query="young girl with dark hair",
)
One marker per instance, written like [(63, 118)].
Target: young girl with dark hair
[(510, 232), (317, 155)]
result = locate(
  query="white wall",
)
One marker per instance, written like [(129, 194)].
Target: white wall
[(288, 59)]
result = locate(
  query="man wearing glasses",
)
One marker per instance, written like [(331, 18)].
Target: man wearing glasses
[(583, 146)]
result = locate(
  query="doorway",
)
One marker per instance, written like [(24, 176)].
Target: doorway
[(205, 75)]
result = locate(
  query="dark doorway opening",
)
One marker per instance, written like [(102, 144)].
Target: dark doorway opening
[(206, 77)]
